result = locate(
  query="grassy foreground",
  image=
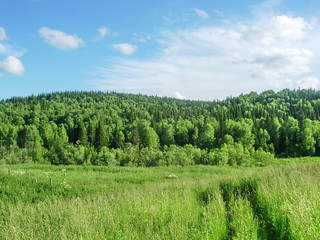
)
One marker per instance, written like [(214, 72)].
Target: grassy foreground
[(198, 202)]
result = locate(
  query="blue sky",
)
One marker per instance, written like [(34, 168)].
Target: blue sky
[(194, 49)]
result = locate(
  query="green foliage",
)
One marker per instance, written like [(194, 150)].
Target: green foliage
[(120, 129), (306, 138), (100, 138), (241, 131), (262, 158), (166, 133), (147, 136), (206, 137), (231, 154)]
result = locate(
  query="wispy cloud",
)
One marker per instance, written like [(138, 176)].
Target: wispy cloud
[(213, 62), (5, 49), (172, 50), (11, 50), (125, 48), (266, 8), (308, 82), (59, 39), (219, 13), (201, 13), (142, 37), (3, 35), (103, 31)]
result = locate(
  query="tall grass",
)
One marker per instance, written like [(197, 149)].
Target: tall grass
[(290, 200), (69, 202), (243, 223)]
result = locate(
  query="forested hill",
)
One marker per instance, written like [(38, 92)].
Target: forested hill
[(125, 129)]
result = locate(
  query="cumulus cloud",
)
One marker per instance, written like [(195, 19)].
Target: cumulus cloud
[(3, 35), (280, 29), (280, 63), (60, 40), (125, 48), (103, 31), (201, 13), (214, 62), (12, 65)]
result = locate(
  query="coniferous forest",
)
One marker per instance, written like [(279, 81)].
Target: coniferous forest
[(96, 128)]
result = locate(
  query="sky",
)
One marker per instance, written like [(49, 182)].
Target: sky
[(186, 49)]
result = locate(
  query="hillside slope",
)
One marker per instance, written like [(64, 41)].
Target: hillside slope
[(125, 129)]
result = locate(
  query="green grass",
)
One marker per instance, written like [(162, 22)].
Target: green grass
[(204, 202)]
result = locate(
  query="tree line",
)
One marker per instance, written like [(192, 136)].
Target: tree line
[(125, 129)]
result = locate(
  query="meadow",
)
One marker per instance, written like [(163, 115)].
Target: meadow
[(192, 202)]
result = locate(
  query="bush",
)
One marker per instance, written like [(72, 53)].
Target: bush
[(262, 158), (150, 157), (106, 157), (175, 155)]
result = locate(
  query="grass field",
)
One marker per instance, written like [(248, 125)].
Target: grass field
[(196, 202)]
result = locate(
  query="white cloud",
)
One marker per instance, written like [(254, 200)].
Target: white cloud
[(103, 31), (308, 82), (142, 37), (214, 62), (201, 13), (4, 49), (9, 50), (168, 20), (142, 40), (266, 8), (279, 29), (280, 63), (219, 13), (3, 35), (179, 96), (60, 40), (172, 50), (160, 41), (12, 65), (125, 48)]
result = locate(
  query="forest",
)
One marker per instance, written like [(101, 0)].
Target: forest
[(98, 128)]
